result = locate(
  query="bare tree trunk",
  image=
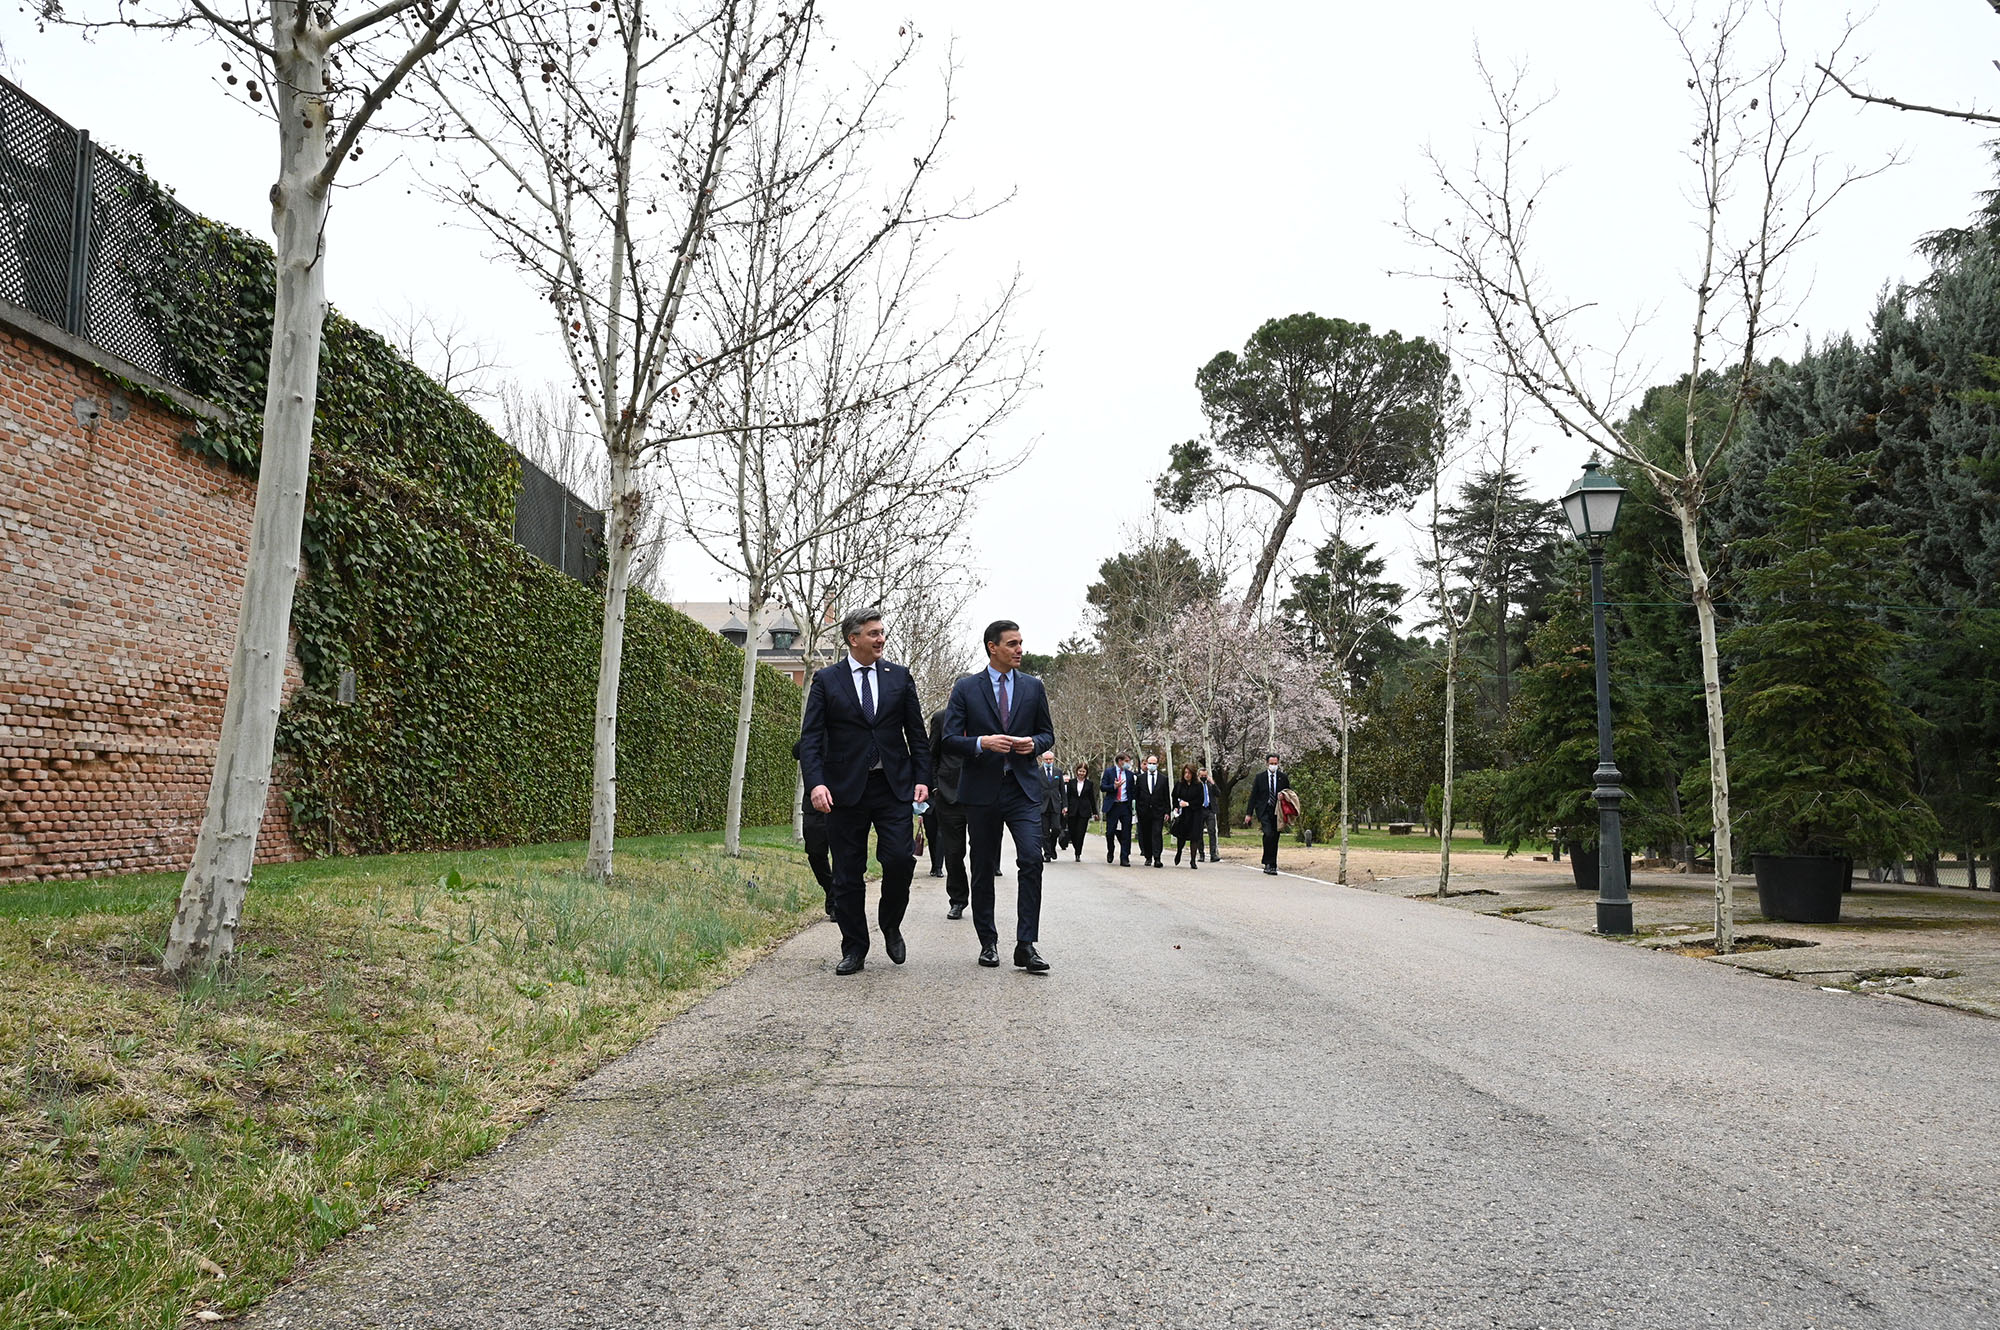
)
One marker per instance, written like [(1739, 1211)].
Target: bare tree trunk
[(1345, 732), (798, 806), (1718, 752), (1450, 757), (739, 760), (211, 902), (621, 531), (1253, 597)]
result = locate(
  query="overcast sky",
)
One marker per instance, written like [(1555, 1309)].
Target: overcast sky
[(1181, 173)]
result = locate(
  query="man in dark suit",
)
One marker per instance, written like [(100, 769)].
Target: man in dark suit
[(1052, 807), (997, 720), (865, 760), (950, 814), (1212, 812), (1264, 793), (1150, 802), (1117, 787)]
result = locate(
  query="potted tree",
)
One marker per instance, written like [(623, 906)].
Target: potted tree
[(1548, 792), (1820, 757)]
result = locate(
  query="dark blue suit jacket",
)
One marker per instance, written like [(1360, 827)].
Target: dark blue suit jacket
[(837, 745), (1109, 784), (972, 713)]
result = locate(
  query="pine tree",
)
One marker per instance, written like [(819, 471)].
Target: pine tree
[(1821, 755)]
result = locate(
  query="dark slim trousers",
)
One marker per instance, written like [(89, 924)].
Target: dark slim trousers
[(1151, 836), (1022, 817), (1118, 831), (951, 844), (847, 831), (1214, 852), (1052, 830), (818, 855), (931, 835), (1270, 841), (1079, 827)]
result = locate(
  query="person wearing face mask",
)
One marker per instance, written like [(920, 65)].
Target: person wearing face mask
[(1150, 803), (1052, 807), (1190, 815), (1264, 792), (1117, 785)]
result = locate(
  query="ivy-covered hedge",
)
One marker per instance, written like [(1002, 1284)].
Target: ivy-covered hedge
[(475, 663)]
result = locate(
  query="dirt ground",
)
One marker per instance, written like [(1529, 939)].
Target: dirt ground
[(1324, 860)]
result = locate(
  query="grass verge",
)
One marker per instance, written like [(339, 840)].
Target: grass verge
[(171, 1151)]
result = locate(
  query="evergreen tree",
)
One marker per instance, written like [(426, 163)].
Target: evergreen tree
[(1553, 736), (1518, 575), (1822, 765), (1346, 605)]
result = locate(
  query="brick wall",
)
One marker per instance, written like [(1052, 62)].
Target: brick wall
[(121, 569)]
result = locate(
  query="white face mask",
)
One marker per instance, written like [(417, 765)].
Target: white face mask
[(1150, 768)]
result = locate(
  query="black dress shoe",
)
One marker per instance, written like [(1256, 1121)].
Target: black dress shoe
[(850, 961), (937, 872), (1028, 958), (955, 912), (1270, 872), (893, 944), (989, 955)]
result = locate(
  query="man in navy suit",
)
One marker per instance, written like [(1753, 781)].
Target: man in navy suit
[(997, 720), (1118, 784), (865, 759)]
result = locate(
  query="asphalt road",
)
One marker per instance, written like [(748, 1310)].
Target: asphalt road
[(1236, 1101)]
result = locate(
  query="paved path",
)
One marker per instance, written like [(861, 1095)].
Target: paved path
[(1237, 1101)]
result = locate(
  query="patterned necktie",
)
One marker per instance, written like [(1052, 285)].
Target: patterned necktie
[(867, 694), (1003, 699)]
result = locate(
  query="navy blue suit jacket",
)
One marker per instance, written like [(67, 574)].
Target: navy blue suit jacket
[(838, 747), (972, 712)]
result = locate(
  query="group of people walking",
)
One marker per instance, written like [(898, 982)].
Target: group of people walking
[(1190, 804), (984, 763)]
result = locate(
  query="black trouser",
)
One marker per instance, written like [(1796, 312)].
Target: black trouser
[(951, 844), (1214, 853), (1270, 842), (1078, 827), (931, 835), (847, 830), (1022, 817), (1118, 831), (1151, 829), (814, 828), (1052, 830)]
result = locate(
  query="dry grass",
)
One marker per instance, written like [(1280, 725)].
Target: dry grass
[(169, 1150)]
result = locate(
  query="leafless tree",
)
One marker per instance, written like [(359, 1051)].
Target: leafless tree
[(1971, 115), (1455, 580), (324, 77), (874, 416), (463, 363), (1759, 191), (608, 153)]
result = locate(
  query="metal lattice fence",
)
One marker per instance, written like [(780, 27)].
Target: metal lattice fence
[(82, 235), (85, 244), (555, 526)]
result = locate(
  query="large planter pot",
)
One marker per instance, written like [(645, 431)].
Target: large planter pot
[(1583, 865), (1801, 888)]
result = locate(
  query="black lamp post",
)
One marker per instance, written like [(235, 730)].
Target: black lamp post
[(1591, 505)]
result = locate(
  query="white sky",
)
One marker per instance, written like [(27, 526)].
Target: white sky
[(1182, 172)]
